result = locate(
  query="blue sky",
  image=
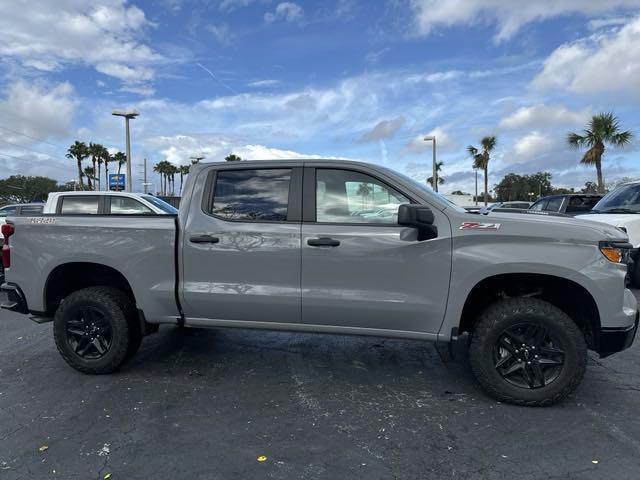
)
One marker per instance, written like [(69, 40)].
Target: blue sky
[(362, 79)]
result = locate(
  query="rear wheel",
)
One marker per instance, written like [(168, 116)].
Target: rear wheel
[(93, 330), (528, 352)]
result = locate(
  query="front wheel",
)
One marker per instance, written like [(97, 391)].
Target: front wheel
[(527, 351), (92, 331)]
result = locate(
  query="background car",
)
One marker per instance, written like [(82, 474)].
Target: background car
[(21, 209), (519, 205), (114, 203), (568, 204)]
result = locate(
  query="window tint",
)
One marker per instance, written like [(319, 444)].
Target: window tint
[(161, 204), (30, 209), (554, 204), (86, 204), (252, 194), (539, 205), (581, 204), (344, 196), (126, 205), (5, 211)]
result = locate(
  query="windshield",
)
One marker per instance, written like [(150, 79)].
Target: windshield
[(428, 191), (161, 204), (625, 199)]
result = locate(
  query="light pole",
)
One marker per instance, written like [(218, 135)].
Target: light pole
[(476, 197), (128, 115), (435, 170)]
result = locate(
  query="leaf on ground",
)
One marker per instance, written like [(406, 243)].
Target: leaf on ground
[(43, 448), (262, 458)]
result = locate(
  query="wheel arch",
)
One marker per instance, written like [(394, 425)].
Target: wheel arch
[(69, 277), (568, 295)]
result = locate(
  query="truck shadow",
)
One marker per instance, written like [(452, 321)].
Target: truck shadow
[(337, 359)]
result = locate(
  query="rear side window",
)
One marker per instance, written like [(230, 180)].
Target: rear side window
[(538, 206), (554, 204), (80, 204), (259, 194), (128, 206), (5, 211), (31, 209), (581, 204)]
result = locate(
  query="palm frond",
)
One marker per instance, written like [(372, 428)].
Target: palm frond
[(488, 143), (575, 140), (621, 139)]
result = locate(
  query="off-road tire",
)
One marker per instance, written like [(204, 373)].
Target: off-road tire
[(117, 308), (508, 313)]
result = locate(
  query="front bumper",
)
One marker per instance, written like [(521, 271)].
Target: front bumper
[(613, 340)]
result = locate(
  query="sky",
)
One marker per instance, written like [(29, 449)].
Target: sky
[(356, 79)]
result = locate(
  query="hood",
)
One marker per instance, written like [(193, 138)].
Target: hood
[(560, 228), (616, 219)]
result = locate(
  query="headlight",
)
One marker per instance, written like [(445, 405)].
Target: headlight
[(616, 252)]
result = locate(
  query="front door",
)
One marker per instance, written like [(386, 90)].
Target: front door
[(241, 251), (360, 269)]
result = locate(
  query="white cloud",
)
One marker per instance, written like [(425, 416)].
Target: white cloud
[(221, 32), (47, 35), (508, 15), (37, 111), (531, 145), (608, 62), (383, 130), (419, 145), (263, 83), (435, 77), (540, 116), (287, 11), (179, 148), (124, 72), (230, 5)]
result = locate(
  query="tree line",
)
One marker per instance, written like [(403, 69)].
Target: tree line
[(603, 129), (99, 156), (168, 172)]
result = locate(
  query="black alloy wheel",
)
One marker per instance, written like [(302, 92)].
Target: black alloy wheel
[(89, 333), (527, 355)]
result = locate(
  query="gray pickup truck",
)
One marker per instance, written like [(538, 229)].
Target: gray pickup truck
[(331, 247)]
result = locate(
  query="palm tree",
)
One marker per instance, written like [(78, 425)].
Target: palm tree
[(184, 170), (159, 168), (438, 170), (232, 158), (601, 129), (79, 152), (106, 158), (364, 189), (120, 158), (90, 173), (172, 170), (95, 150), (481, 160)]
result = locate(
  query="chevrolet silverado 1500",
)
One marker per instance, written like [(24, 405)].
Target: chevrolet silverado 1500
[(335, 247)]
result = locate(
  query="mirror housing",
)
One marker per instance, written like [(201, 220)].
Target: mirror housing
[(420, 217)]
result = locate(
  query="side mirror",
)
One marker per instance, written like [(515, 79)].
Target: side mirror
[(420, 217)]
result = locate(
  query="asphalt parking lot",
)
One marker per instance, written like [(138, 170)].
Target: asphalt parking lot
[(202, 404)]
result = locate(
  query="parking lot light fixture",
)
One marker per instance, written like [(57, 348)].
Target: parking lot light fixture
[(435, 170), (128, 115)]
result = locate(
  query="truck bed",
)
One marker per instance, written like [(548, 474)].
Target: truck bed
[(139, 247)]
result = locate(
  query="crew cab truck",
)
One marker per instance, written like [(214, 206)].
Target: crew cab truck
[(334, 247)]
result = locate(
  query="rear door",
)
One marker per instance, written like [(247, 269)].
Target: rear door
[(360, 269), (241, 251)]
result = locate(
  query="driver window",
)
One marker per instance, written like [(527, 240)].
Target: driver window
[(345, 196)]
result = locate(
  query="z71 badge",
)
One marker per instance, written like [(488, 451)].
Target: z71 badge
[(479, 226)]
